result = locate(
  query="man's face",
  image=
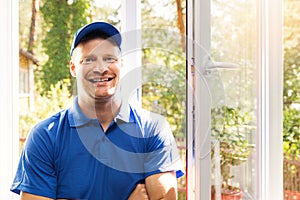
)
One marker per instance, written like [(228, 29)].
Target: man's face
[(96, 66)]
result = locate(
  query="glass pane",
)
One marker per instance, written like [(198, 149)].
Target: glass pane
[(291, 107), (233, 114), (163, 67), (108, 11)]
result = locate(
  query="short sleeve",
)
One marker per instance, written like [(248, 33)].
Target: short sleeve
[(162, 153), (36, 173)]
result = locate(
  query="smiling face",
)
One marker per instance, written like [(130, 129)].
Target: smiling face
[(96, 66)]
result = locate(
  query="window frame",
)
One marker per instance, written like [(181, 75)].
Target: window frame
[(9, 87), (270, 103), (270, 85)]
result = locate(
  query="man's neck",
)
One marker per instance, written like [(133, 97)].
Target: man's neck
[(104, 111)]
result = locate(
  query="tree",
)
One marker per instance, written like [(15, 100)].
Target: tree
[(181, 23), (32, 26), (61, 19), (164, 64), (24, 22)]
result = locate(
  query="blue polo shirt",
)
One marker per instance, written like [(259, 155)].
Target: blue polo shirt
[(70, 156)]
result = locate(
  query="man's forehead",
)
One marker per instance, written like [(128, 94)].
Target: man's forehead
[(97, 46)]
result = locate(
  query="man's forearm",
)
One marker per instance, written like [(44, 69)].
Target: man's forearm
[(162, 186), (171, 195)]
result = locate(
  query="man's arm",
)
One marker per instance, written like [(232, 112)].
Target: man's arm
[(162, 186), (28, 196), (139, 193)]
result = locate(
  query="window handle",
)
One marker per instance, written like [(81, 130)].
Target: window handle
[(211, 66), (221, 65)]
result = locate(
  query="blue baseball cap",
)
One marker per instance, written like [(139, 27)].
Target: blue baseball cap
[(101, 27)]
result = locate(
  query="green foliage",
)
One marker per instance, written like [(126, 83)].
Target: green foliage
[(57, 98), (291, 94), (164, 65), (164, 87), (61, 20), (291, 75), (181, 196), (159, 14), (291, 130), (230, 127), (106, 13)]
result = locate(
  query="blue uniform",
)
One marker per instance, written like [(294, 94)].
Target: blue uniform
[(70, 156)]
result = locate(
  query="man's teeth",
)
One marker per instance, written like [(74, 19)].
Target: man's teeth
[(102, 80)]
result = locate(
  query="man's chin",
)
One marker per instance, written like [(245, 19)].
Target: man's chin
[(103, 97), (107, 95)]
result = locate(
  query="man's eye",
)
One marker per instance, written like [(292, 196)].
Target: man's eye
[(110, 59), (87, 61)]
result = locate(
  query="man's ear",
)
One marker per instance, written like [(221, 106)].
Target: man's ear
[(72, 68)]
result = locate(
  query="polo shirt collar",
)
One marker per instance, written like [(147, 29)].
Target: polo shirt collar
[(78, 118), (124, 113)]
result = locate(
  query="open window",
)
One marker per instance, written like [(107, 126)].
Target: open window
[(221, 35)]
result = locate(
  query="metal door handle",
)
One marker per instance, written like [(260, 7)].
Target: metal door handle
[(221, 65)]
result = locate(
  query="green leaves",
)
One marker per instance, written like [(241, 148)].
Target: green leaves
[(291, 131), (291, 94), (61, 20), (57, 98), (231, 127)]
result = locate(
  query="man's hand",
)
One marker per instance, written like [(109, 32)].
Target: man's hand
[(139, 193)]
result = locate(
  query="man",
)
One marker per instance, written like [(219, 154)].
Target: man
[(101, 147)]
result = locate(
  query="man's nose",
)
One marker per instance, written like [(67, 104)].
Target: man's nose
[(100, 66)]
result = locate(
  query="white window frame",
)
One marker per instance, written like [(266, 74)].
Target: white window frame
[(198, 101), (131, 49), (271, 102), (9, 87)]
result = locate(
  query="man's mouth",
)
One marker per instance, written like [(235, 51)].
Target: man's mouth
[(101, 80)]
